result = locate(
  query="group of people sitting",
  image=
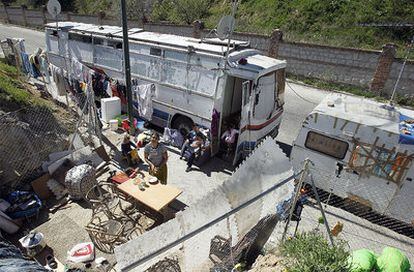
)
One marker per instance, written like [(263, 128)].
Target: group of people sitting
[(196, 144)]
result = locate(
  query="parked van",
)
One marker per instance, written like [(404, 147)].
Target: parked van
[(193, 81), (362, 150)]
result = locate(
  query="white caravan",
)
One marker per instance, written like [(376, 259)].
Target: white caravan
[(193, 81), (361, 150)]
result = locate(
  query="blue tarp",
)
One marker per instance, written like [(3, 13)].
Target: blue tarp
[(406, 130)]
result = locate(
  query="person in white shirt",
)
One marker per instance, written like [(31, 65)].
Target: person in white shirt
[(229, 138)]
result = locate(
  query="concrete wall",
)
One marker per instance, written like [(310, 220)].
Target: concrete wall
[(350, 66), (406, 84), (374, 70)]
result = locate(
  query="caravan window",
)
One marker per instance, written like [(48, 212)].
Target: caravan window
[(326, 145), (155, 51), (368, 160), (115, 44), (80, 37)]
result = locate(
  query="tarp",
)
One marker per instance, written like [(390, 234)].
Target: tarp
[(12, 260), (406, 130)]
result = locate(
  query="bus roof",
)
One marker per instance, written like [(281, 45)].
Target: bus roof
[(363, 111), (214, 46)]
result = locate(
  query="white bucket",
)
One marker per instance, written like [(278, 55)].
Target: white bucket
[(113, 125)]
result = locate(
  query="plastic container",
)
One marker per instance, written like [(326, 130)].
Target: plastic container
[(113, 124), (111, 107), (81, 253), (33, 243)]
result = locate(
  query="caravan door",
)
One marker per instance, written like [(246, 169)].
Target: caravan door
[(244, 142)]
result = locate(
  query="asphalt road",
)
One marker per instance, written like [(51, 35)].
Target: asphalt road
[(300, 100)]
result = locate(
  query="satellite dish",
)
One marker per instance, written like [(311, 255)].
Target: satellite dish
[(225, 27), (54, 8)]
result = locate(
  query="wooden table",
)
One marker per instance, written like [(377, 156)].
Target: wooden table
[(156, 196)]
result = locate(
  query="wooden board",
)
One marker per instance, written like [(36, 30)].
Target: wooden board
[(155, 196), (40, 187)]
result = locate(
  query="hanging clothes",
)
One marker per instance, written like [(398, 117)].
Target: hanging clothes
[(44, 66), (59, 79), (27, 67), (142, 100), (116, 90), (77, 69)]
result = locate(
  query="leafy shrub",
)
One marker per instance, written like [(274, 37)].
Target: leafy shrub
[(311, 252)]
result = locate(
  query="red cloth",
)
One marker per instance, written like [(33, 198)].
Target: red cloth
[(115, 92), (120, 178)]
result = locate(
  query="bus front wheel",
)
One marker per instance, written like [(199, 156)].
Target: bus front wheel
[(183, 125)]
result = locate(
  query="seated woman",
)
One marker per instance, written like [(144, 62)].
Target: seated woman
[(194, 150), (127, 151), (228, 138)]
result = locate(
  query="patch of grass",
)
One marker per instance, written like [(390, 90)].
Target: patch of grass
[(309, 252), (13, 91)]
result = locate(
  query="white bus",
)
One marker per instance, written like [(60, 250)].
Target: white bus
[(194, 84)]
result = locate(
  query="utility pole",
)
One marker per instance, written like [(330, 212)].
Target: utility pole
[(127, 66)]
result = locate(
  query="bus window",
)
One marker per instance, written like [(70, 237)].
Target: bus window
[(280, 87), (264, 103)]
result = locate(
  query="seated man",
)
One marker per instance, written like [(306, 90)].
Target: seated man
[(194, 150), (189, 139)]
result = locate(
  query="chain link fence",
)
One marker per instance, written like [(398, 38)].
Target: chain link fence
[(29, 135)]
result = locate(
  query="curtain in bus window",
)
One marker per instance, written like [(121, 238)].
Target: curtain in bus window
[(53, 44), (146, 66), (174, 73), (264, 99), (108, 57), (202, 80), (82, 51)]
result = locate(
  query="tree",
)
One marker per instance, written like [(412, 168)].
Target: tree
[(179, 11)]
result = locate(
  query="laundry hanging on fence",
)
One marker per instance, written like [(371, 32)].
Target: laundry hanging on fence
[(59, 79), (142, 100), (26, 66), (77, 69), (118, 90), (35, 63)]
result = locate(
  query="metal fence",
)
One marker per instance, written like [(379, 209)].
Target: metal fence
[(28, 136)]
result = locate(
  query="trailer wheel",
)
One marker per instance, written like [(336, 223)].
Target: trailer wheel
[(183, 125)]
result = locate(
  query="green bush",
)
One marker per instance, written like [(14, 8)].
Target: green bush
[(311, 252)]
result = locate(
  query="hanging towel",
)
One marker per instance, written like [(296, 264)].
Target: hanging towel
[(77, 69), (27, 67), (58, 78), (142, 100)]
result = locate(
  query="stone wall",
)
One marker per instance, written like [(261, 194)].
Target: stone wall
[(376, 70), (406, 84), (344, 65)]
